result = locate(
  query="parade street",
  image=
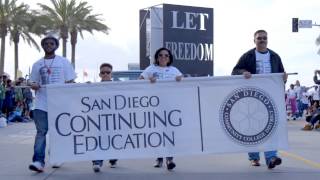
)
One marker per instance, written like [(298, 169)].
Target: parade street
[(300, 162)]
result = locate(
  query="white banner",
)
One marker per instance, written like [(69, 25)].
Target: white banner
[(137, 119)]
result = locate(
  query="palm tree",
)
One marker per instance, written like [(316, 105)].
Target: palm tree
[(22, 27), (10, 13), (71, 17), (85, 21)]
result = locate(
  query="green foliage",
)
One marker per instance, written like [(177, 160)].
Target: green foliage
[(15, 19), (64, 17), (68, 16)]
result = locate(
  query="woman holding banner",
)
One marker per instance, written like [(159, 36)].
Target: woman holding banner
[(162, 69)]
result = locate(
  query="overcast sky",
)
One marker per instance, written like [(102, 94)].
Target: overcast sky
[(235, 21)]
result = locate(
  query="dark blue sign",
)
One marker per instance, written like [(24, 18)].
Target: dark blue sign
[(188, 33)]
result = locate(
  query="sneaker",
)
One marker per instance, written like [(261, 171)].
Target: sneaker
[(96, 167), (307, 127), (275, 161), (170, 165), (36, 166), (317, 126), (113, 163), (56, 165), (158, 164), (255, 162)]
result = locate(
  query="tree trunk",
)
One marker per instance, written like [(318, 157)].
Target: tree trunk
[(16, 55), (74, 36), (64, 36), (3, 47), (3, 33), (64, 47)]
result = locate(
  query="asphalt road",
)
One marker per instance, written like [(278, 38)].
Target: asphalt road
[(300, 162)]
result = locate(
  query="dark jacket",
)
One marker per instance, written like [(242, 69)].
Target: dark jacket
[(247, 62), (315, 79)]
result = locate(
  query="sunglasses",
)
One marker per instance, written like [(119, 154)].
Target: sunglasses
[(163, 55), (105, 72), (262, 38)]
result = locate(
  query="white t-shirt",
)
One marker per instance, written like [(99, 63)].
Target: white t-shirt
[(291, 93), (298, 91), (168, 72), (263, 65), (315, 94), (50, 71), (304, 98)]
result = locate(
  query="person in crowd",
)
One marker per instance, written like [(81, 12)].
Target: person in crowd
[(260, 60), (105, 75), (312, 117), (4, 79), (28, 100), (298, 90), (315, 94), (304, 100), (315, 77), (18, 94), (51, 69), (9, 100), (162, 69), (288, 107), (291, 95), (2, 94)]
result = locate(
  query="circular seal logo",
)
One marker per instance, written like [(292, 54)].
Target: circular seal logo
[(249, 116)]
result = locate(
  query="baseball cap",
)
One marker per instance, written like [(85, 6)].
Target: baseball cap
[(50, 37)]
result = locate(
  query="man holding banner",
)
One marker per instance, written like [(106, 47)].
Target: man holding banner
[(260, 60), (51, 69)]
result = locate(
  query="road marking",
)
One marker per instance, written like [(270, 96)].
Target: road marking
[(294, 156)]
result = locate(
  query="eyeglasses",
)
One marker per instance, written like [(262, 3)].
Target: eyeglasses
[(163, 55), (262, 38), (50, 42), (105, 72)]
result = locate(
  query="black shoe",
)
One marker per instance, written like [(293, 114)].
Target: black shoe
[(113, 163), (158, 164), (170, 165), (96, 165), (275, 161), (56, 165)]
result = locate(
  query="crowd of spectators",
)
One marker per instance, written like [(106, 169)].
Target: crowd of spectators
[(302, 103), (15, 100)]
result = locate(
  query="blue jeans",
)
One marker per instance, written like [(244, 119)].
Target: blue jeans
[(1, 104), (100, 162), (315, 118), (41, 121), (167, 158), (300, 108), (267, 155)]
